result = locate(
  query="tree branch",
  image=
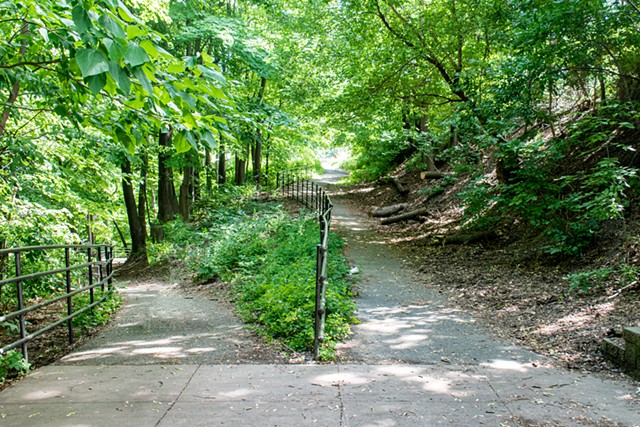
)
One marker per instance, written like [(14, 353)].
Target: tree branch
[(41, 64)]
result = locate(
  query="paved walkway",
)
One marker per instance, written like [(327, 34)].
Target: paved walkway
[(173, 359)]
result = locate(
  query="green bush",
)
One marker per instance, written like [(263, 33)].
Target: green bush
[(12, 363), (98, 315), (270, 258)]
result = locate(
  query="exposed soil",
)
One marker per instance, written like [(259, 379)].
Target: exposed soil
[(508, 282)]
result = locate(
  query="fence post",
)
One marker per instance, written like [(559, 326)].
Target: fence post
[(67, 264), (317, 336), (89, 260), (100, 269), (109, 266), (23, 327)]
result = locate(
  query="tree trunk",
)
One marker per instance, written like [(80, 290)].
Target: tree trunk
[(241, 171), (257, 152), (207, 170), (136, 229), (185, 192), (167, 200), (222, 163), (142, 194), (422, 128)]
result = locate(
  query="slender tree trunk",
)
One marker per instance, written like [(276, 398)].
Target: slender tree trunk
[(257, 152), (207, 170), (222, 163), (142, 194), (136, 229), (241, 171), (185, 192), (422, 128), (167, 200)]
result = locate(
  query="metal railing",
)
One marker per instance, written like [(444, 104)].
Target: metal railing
[(297, 186), (89, 266)]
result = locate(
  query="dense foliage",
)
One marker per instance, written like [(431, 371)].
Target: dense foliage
[(270, 261)]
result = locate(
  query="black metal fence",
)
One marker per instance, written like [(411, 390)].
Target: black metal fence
[(83, 270), (297, 185)]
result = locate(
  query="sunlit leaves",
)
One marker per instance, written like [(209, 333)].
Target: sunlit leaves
[(91, 62)]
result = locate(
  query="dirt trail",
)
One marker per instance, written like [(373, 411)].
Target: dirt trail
[(402, 320)]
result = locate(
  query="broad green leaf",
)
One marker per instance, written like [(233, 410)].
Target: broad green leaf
[(176, 68), (91, 62), (125, 14), (207, 58), (81, 19), (212, 74), (135, 55), (134, 31), (209, 139), (117, 48), (112, 26), (188, 99), (180, 143), (144, 81), (192, 139), (121, 77), (44, 33), (96, 82), (149, 48)]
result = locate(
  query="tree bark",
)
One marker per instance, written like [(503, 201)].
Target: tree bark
[(404, 217), (185, 192), (136, 229), (142, 194), (388, 210), (167, 200), (241, 171), (222, 163), (257, 152)]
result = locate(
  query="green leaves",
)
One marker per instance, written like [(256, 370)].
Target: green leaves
[(135, 55), (91, 62)]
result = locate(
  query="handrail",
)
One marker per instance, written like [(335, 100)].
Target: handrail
[(98, 263), (311, 195)]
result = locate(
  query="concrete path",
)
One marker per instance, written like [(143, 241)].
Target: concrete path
[(412, 361)]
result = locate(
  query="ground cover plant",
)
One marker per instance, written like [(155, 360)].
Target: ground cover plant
[(268, 257)]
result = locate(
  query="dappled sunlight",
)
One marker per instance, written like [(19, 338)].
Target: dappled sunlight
[(507, 365), (340, 378), (43, 394), (240, 393), (175, 347), (408, 341), (417, 376), (577, 320)]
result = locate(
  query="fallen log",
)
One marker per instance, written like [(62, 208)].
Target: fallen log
[(399, 186), (406, 216), (388, 210), (396, 183)]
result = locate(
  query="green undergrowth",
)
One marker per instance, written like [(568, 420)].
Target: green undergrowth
[(269, 257)]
